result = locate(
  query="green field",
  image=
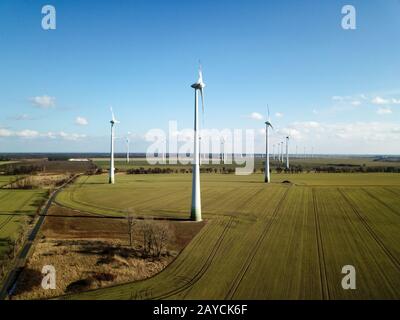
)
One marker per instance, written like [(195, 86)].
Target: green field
[(15, 206), (277, 241), (4, 180), (121, 164)]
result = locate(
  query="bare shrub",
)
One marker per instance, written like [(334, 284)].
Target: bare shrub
[(131, 221), (156, 237)]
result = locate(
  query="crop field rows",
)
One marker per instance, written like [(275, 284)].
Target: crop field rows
[(15, 205), (262, 242)]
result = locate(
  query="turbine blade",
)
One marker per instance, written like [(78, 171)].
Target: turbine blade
[(202, 100), (112, 114), (269, 118), (200, 72)]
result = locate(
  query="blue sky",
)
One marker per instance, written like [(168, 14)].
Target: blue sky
[(334, 89)]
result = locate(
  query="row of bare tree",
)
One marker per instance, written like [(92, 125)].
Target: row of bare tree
[(155, 236)]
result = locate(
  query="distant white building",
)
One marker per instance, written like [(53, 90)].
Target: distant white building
[(79, 160)]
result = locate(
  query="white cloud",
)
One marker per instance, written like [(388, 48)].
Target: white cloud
[(384, 101), (396, 101), (81, 121), (31, 134), (384, 111), (44, 102), (256, 116), (339, 98), (380, 101), (278, 114), (27, 133), (356, 133), (5, 132), (354, 100), (21, 117), (71, 136)]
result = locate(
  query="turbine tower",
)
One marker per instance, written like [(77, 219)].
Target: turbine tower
[(112, 169), (128, 141), (267, 175), (279, 152), (287, 152), (223, 150), (195, 213), (273, 151), (282, 152)]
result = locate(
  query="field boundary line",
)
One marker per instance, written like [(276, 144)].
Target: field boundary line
[(20, 261), (4, 223)]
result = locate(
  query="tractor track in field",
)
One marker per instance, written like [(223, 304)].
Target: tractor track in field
[(90, 205), (6, 194), (5, 222), (202, 270), (320, 250), (239, 277), (23, 254), (369, 229), (392, 191), (380, 201), (206, 265), (8, 220)]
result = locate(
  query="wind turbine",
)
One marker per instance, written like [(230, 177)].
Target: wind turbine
[(128, 141), (281, 151), (223, 150), (195, 213), (273, 151), (287, 152), (112, 169), (267, 175)]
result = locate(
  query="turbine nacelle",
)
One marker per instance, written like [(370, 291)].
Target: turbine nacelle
[(199, 85), (269, 124), (113, 120)]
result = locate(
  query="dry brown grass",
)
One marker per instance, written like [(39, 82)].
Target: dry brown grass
[(101, 262), (96, 251)]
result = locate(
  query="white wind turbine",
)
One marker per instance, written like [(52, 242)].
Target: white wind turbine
[(112, 169), (281, 151), (195, 213), (222, 150), (273, 151), (267, 175), (287, 152), (128, 142)]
